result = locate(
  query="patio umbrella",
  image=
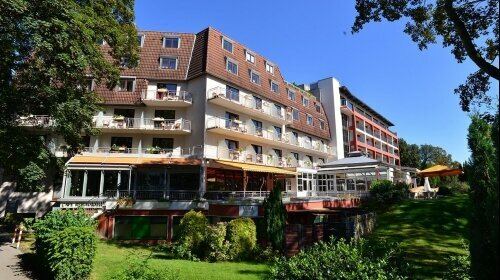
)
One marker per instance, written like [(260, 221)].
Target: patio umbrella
[(440, 170)]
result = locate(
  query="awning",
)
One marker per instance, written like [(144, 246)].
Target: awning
[(440, 170), (254, 167), (81, 159)]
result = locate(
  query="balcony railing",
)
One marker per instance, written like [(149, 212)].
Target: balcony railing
[(260, 106), (154, 194), (241, 155), (177, 152), (142, 123), (36, 121), (160, 95), (236, 195)]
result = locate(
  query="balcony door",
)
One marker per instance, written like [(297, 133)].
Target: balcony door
[(231, 120), (258, 102), (129, 114)]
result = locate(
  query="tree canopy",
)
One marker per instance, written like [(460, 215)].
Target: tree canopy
[(424, 156), (469, 27), (49, 50)]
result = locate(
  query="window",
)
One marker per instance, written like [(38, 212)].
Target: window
[(254, 77), (295, 135), (258, 102), (164, 143), (278, 131), (89, 84), (321, 124), (295, 156), (275, 87), (231, 144), (309, 120), (171, 88), (122, 142), (321, 160), (124, 62), (250, 57), (309, 158), (126, 85), (232, 93), (171, 42), (140, 227), (295, 114), (232, 121), (270, 68), (258, 127), (227, 44), (305, 101), (278, 110), (168, 63), (291, 95), (257, 149), (278, 153), (166, 114), (318, 108), (232, 66), (140, 40)]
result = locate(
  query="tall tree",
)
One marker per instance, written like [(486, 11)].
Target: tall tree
[(275, 217), (409, 154), (482, 174), (469, 27), (48, 51)]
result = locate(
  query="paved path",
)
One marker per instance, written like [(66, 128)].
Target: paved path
[(10, 268)]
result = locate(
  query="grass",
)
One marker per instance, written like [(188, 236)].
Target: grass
[(111, 258), (428, 230)]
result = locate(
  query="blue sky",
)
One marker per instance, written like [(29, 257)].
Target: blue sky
[(311, 40)]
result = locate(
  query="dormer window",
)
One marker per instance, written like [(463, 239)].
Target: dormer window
[(318, 108), (168, 63), (250, 56), (171, 42), (305, 101), (126, 84), (291, 95), (270, 67), (231, 66), (140, 40), (275, 87), (310, 120), (227, 44), (254, 77)]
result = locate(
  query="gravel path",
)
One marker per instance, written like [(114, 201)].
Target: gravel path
[(10, 268)]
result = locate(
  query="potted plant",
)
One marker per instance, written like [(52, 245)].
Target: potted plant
[(118, 118), (115, 148), (125, 201), (153, 150), (269, 157)]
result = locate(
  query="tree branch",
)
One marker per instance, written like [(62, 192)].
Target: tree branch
[(471, 50)]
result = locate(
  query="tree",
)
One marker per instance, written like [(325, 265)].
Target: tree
[(482, 174), (48, 51), (275, 217), (432, 155), (409, 154), (469, 27)]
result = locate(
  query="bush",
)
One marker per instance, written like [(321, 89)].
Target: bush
[(138, 268), (242, 235), (191, 231), (53, 242), (453, 187), (71, 252), (216, 247), (458, 268), (337, 260), (386, 193)]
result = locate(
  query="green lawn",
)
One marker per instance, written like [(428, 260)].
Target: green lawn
[(428, 230), (111, 257)]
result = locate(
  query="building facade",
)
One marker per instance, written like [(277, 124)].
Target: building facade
[(203, 122)]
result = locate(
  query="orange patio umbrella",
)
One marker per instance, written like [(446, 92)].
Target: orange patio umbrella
[(440, 170)]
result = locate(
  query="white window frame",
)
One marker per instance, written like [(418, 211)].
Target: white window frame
[(321, 124), (277, 86), (229, 60), (249, 55), (252, 73), (317, 107), (309, 120), (270, 67), (171, 37), (225, 39), (141, 44), (293, 95), (169, 57), (132, 79), (305, 101), (293, 114)]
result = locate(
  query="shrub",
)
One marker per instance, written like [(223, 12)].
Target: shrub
[(216, 247), (242, 235), (191, 232), (71, 252), (337, 260), (458, 268), (54, 233), (138, 268), (452, 187), (386, 193), (275, 217)]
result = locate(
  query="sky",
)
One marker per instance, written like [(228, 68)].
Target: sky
[(311, 40)]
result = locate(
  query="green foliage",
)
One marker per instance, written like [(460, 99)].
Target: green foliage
[(31, 177), (458, 268), (341, 260), (275, 217), (242, 235), (470, 28), (482, 174), (408, 154), (71, 252), (139, 268), (216, 247), (385, 193), (453, 187), (54, 237), (48, 49), (191, 232)]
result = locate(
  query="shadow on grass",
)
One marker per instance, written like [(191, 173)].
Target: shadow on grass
[(429, 231), (259, 273)]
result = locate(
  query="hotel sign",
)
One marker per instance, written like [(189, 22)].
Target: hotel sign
[(249, 211)]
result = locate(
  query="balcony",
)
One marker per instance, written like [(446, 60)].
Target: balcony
[(178, 195), (36, 121), (262, 110), (151, 152), (346, 107), (120, 124), (164, 98), (236, 128), (245, 156)]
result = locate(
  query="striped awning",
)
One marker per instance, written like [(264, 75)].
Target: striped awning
[(131, 160), (253, 167)]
